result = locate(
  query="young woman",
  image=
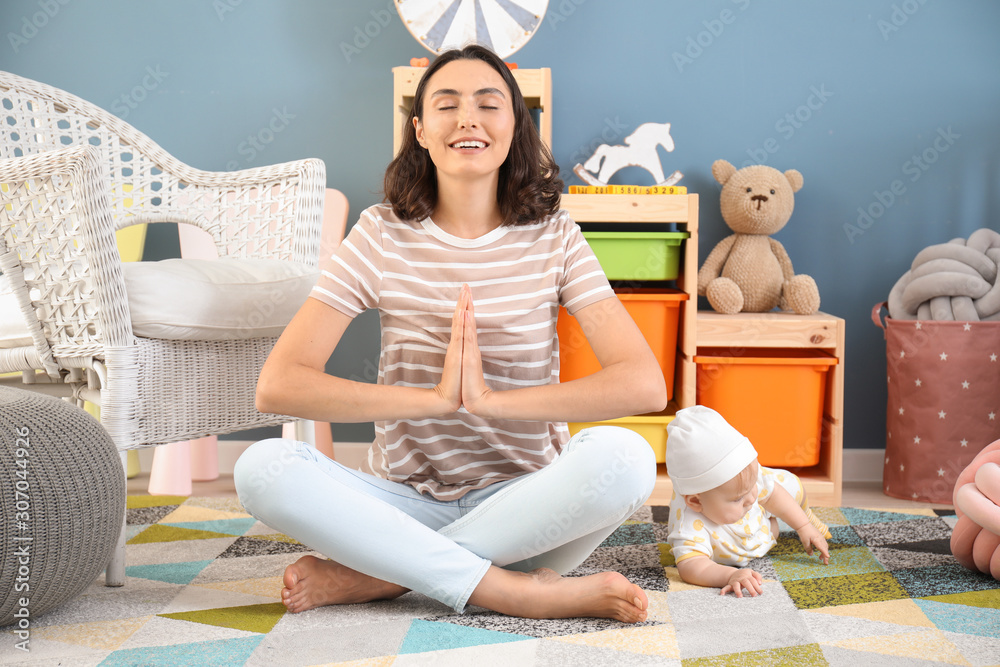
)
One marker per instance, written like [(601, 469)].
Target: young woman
[(473, 492)]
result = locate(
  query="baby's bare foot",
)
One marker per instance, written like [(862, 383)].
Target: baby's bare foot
[(311, 582)]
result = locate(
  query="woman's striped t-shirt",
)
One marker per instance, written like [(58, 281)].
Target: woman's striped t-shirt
[(412, 272)]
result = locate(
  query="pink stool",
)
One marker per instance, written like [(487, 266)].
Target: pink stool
[(176, 465)]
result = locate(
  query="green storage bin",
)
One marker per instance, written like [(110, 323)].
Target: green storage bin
[(638, 255)]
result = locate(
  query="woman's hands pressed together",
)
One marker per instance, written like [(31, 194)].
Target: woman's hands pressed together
[(462, 381), (475, 393), (629, 382), (450, 386)]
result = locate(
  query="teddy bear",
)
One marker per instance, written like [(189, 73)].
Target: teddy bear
[(749, 271), (975, 541)]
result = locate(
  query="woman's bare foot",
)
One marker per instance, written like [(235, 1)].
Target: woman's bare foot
[(311, 582), (543, 593)]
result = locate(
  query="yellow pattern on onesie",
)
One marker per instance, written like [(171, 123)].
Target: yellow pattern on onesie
[(692, 534)]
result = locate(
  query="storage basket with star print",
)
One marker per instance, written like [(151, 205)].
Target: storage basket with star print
[(943, 402)]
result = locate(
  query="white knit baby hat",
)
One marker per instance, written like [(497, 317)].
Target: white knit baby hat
[(704, 451)]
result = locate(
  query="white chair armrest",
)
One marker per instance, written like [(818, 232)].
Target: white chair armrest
[(272, 212), (56, 232)]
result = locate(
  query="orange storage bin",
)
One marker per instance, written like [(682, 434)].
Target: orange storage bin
[(652, 427), (655, 311), (772, 396)]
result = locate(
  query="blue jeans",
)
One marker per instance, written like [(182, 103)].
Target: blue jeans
[(554, 517)]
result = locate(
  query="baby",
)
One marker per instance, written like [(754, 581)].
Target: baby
[(731, 505)]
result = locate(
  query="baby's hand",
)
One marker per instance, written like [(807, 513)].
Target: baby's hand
[(744, 578), (810, 537)]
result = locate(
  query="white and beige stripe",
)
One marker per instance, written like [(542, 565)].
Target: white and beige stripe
[(412, 273)]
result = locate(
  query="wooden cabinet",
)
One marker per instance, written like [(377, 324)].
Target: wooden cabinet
[(823, 482), (683, 211)]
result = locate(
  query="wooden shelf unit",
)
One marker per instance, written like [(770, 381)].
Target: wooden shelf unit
[(679, 209), (535, 85), (823, 482)]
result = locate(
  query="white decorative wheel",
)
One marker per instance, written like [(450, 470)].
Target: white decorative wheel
[(504, 26)]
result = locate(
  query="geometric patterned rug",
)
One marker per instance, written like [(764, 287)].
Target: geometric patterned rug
[(204, 580)]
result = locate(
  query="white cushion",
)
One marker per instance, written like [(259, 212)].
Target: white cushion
[(13, 332), (215, 299)]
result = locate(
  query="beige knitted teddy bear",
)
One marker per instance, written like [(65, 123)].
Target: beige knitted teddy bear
[(748, 271)]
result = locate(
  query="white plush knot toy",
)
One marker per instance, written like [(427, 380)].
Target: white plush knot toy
[(951, 281)]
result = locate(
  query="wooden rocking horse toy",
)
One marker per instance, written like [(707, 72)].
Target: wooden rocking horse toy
[(639, 151)]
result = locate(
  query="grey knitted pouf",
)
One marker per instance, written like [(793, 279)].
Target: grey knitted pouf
[(62, 498)]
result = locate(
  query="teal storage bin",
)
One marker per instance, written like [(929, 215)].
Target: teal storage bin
[(638, 255)]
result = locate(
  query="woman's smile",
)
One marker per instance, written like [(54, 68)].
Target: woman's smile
[(467, 114)]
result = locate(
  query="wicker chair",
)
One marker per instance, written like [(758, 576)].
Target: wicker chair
[(72, 174)]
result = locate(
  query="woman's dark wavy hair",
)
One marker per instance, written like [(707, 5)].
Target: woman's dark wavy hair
[(529, 186)]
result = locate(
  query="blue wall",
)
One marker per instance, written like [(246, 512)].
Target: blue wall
[(863, 98)]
